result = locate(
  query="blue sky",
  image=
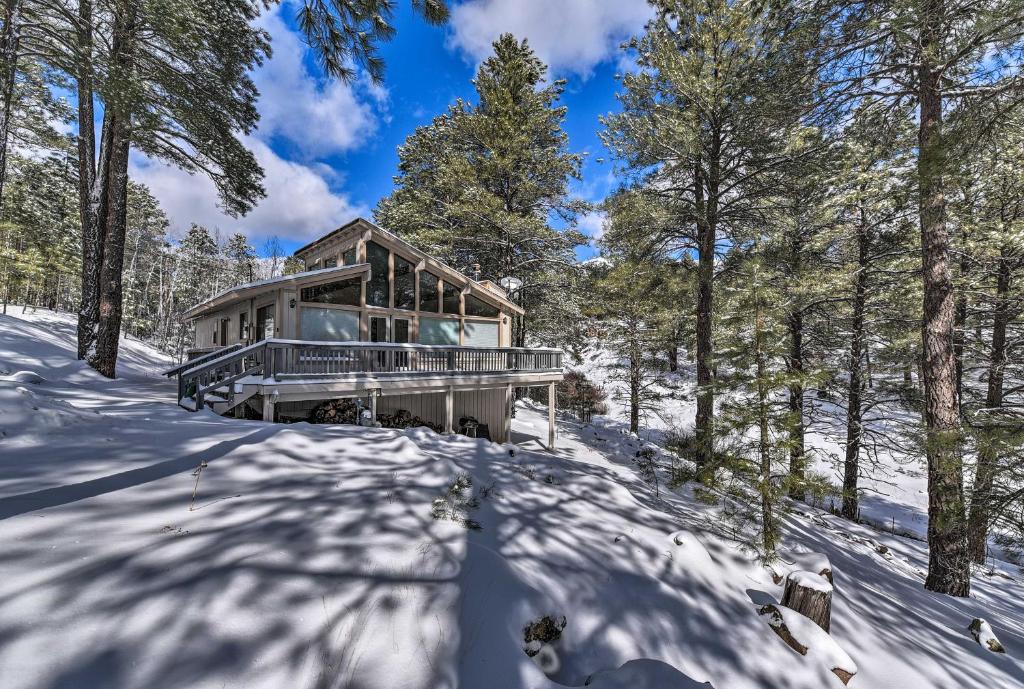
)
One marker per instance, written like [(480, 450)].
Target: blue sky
[(329, 149)]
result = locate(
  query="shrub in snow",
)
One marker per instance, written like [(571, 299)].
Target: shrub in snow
[(539, 638), (456, 503), (983, 634)]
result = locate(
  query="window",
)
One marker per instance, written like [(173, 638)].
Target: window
[(451, 298), (378, 292), (315, 265), (428, 292), (243, 325), (340, 292), (405, 284), (400, 330), (331, 262), (478, 307), (328, 325), (439, 331), (481, 334), (348, 256)]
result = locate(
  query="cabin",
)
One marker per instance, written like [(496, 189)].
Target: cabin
[(371, 319)]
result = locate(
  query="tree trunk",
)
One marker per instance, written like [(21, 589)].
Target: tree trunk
[(980, 515), (769, 533), (948, 560), (634, 393), (90, 183), (118, 140), (813, 602), (9, 44), (111, 293), (673, 357), (705, 377), (797, 451), (854, 429)]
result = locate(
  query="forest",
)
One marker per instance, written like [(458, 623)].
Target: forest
[(819, 217)]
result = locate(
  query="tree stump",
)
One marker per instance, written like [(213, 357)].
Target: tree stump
[(810, 595)]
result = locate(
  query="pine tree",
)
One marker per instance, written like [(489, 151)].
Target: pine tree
[(632, 313), (480, 184), (241, 259), (707, 116), (948, 56), (755, 419)]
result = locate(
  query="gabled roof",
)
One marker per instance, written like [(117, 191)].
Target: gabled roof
[(251, 289), (484, 288)]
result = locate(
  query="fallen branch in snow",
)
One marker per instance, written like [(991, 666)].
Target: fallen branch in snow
[(983, 634), (808, 639), (197, 473)]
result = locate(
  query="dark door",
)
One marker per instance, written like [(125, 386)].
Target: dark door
[(378, 329), (265, 322)]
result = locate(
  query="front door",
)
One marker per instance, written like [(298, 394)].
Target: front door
[(265, 322)]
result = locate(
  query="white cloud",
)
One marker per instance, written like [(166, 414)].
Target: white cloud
[(319, 117), (313, 119), (592, 225), (571, 36), (299, 205)]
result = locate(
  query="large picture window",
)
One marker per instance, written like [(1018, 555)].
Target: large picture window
[(451, 298), (481, 334), (478, 307), (378, 292), (429, 298), (345, 292), (405, 284), (439, 331), (328, 325)]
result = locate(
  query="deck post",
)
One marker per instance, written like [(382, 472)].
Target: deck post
[(449, 410), (374, 393), (268, 407), (551, 417), (506, 426)]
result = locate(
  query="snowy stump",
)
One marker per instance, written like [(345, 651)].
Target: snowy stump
[(983, 634), (810, 595)]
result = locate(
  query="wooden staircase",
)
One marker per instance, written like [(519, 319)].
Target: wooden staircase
[(212, 380)]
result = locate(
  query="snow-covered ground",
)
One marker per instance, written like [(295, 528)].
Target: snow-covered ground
[(894, 488), (146, 546)]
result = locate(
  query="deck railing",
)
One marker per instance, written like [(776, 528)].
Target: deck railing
[(293, 359)]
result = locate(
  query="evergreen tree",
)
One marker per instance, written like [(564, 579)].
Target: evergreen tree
[(480, 184), (707, 116), (755, 419), (631, 312), (241, 260), (949, 56)]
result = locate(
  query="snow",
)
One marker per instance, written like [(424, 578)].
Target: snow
[(810, 580), (821, 648), (149, 547)]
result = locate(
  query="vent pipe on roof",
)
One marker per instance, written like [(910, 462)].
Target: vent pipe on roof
[(476, 272)]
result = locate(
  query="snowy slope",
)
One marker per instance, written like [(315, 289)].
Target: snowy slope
[(310, 557), (894, 488)]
